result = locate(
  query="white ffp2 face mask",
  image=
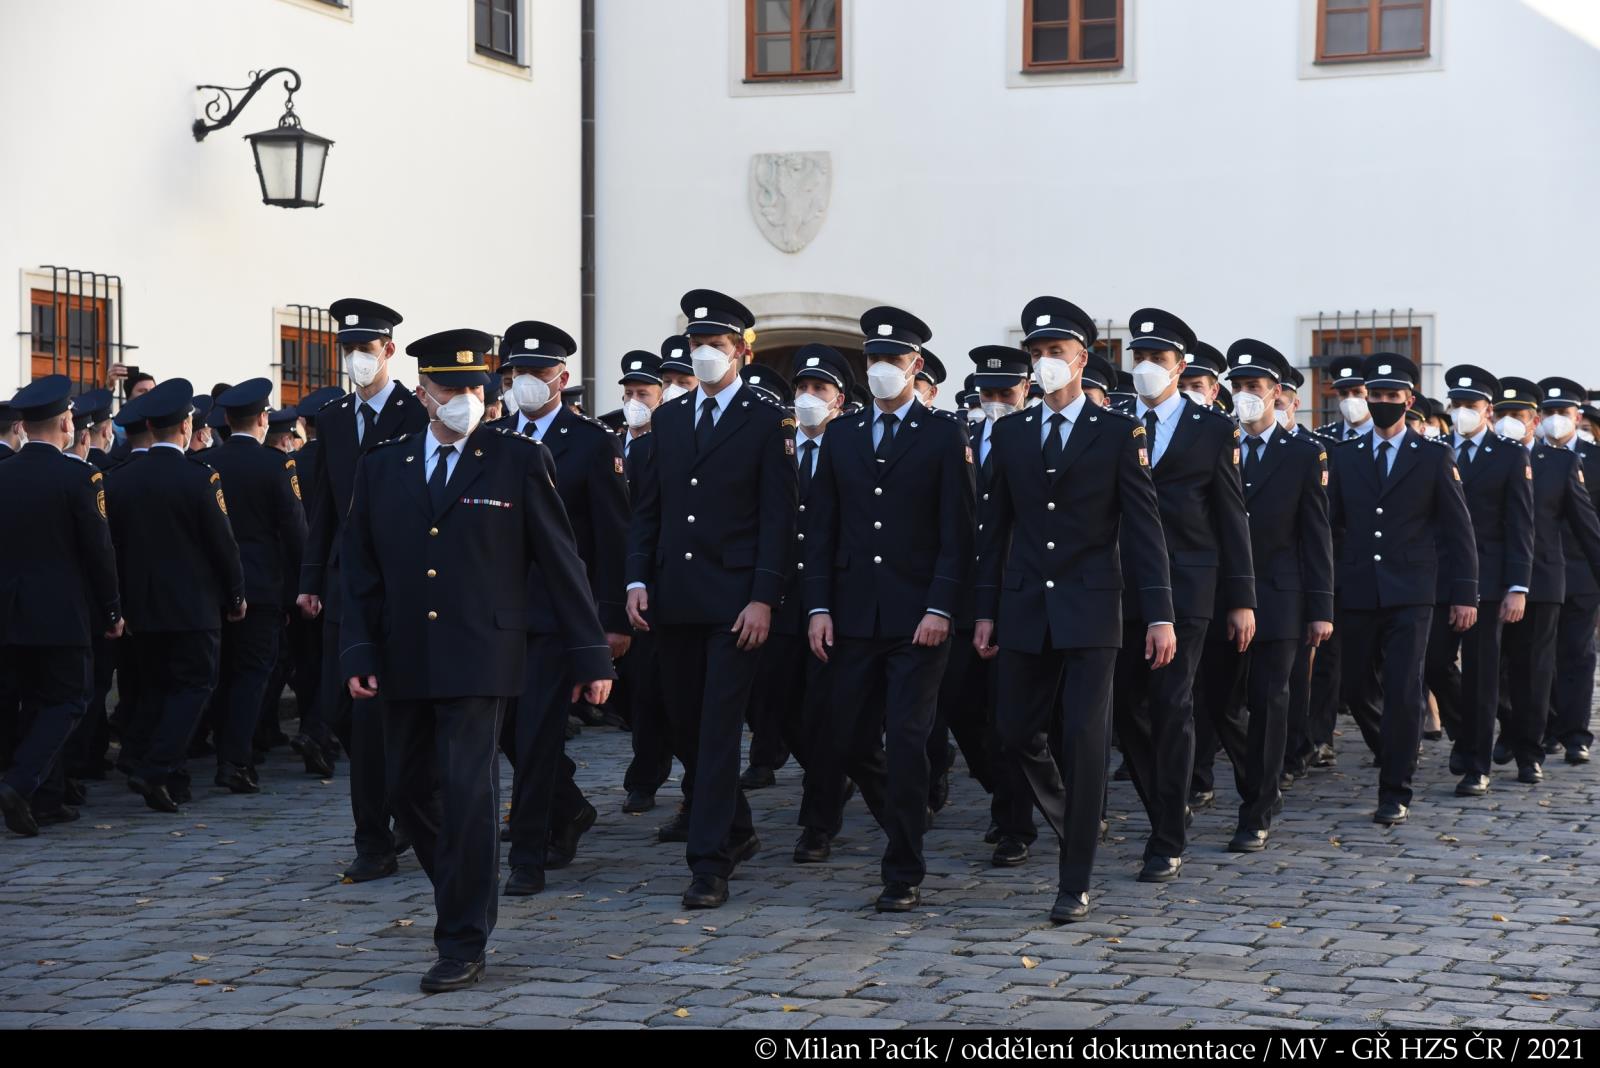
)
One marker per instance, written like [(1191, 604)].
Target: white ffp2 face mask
[(1150, 380), (1054, 373), (531, 393), (1285, 420), (362, 367), (976, 415), (1557, 428), (460, 413), (672, 392), (997, 410), (886, 381), (636, 413), (709, 363), (810, 410), (1248, 407), (1354, 410), (1509, 426), (1467, 421)]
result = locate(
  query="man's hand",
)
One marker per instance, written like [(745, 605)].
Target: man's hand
[(820, 631), (983, 640), (1160, 645), (638, 605), (596, 692), (1317, 632), (1512, 608), (310, 605), (117, 629), (1242, 627), (619, 644), (362, 688), (238, 614), (1463, 617), (752, 625), (932, 631)]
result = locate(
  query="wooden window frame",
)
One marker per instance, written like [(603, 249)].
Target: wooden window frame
[(59, 357), (797, 36), (514, 57), (1075, 46), (1325, 398), (1374, 34), (296, 378)]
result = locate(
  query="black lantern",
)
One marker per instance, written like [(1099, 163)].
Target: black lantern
[(289, 159)]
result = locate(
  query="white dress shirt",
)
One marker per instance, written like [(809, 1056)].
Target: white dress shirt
[(541, 425), (1395, 443), (1166, 423), (803, 439), (376, 403), (899, 414), (723, 399), (430, 457), (1071, 411), (168, 445)]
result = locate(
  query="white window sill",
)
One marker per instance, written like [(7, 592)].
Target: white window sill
[(341, 13), (512, 70)]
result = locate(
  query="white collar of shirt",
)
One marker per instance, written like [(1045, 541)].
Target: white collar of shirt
[(377, 400), (1572, 443), (1476, 439), (1364, 428), (1165, 410), (899, 413), (541, 425), (1265, 436), (167, 445), (431, 446), (723, 399), (1395, 441), (805, 439), (1071, 412)]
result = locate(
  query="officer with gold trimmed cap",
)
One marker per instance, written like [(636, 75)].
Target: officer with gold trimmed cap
[(438, 520)]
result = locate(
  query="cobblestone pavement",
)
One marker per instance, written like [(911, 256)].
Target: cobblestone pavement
[(1478, 912)]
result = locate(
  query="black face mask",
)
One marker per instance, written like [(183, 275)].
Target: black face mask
[(1386, 414)]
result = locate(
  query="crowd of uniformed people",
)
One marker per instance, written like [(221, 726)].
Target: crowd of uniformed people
[(1074, 563)]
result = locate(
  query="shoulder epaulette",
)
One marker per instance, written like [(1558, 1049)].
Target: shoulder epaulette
[(508, 432), (386, 442), (1121, 414)]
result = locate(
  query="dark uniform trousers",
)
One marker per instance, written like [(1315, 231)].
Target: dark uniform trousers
[(1468, 697), (1255, 742), (84, 756), (1154, 715), (1219, 706), (1327, 673), (305, 646), (1391, 718), (968, 704), (51, 685), (1297, 742), (1575, 664), (1528, 644), (249, 656), (771, 717), (359, 726), (453, 741), (824, 787), (181, 675), (544, 793), (652, 737)]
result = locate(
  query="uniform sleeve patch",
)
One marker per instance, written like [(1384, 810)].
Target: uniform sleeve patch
[(969, 454), (1455, 472), (1138, 431), (221, 503), (1527, 473), (96, 477), (1236, 457), (294, 484), (215, 477), (100, 502), (616, 462), (1144, 456), (788, 446), (1324, 479), (788, 423)]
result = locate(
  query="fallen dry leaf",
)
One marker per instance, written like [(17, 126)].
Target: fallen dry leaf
[(347, 881), (685, 949), (203, 982), (325, 782), (102, 826), (1544, 804), (613, 956), (46, 963), (1029, 963), (1448, 838), (141, 901), (709, 930), (218, 879), (573, 897), (1497, 918), (229, 989), (404, 923), (1113, 939), (227, 841), (682, 1014), (177, 834), (1335, 842), (1275, 924), (1540, 997), (199, 958), (791, 1008), (1273, 989), (680, 921), (200, 827), (1563, 919)]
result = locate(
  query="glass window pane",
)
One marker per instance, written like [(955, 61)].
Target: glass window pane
[(772, 55), (1099, 9), (821, 14), (822, 51), (481, 24), (1401, 31), (1345, 34), (1051, 10), (1051, 46), (772, 16), (1100, 41), (502, 33)]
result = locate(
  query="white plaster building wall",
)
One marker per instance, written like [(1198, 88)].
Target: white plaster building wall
[(1221, 175), (452, 189)]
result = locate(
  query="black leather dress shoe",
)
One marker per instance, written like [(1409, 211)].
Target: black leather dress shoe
[(939, 790), (1009, 852), (448, 975), (235, 779), (1472, 785), (992, 835), (676, 829), (524, 881), (1160, 869), (706, 892), (755, 777), (897, 897), (402, 841), (638, 801), (1285, 780), (1432, 736), (814, 846), (1202, 798), (1069, 907), (564, 843), (745, 848), (505, 832), (180, 790), (18, 815), (1324, 756), (74, 793), (1552, 746), (1390, 813), (1502, 752), (367, 867), (1244, 841), (1577, 754), (156, 796), (317, 762), (59, 814), (1458, 764), (1532, 774)]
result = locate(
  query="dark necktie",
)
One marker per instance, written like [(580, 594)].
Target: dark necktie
[(1351, 433), (438, 491), (808, 457), (1382, 452), (1252, 459), (1150, 432), (884, 442), (703, 429), (1466, 456), (369, 425), (529, 429), (1052, 444)]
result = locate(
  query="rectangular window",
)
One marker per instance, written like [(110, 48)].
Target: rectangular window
[(70, 335), (1364, 341), (495, 29), (792, 39), (1071, 34), (308, 354), (1371, 29)]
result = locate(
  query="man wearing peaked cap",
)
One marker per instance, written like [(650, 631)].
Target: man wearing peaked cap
[(1099, 379), (186, 545), (767, 382), (1566, 550), (930, 378), (1194, 457), (713, 522), (438, 520), (11, 432), (1345, 374), (677, 370), (283, 429), (380, 408), (1292, 549), (1200, 380), (889, 544), (268, 523), (205, 436), (642, 388), (549, 813), (1395, 500), (1496, 479), (1065, 478), (58, 591), (95, 407)]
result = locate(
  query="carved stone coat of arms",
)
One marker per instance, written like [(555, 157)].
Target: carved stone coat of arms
[(789, 196)]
